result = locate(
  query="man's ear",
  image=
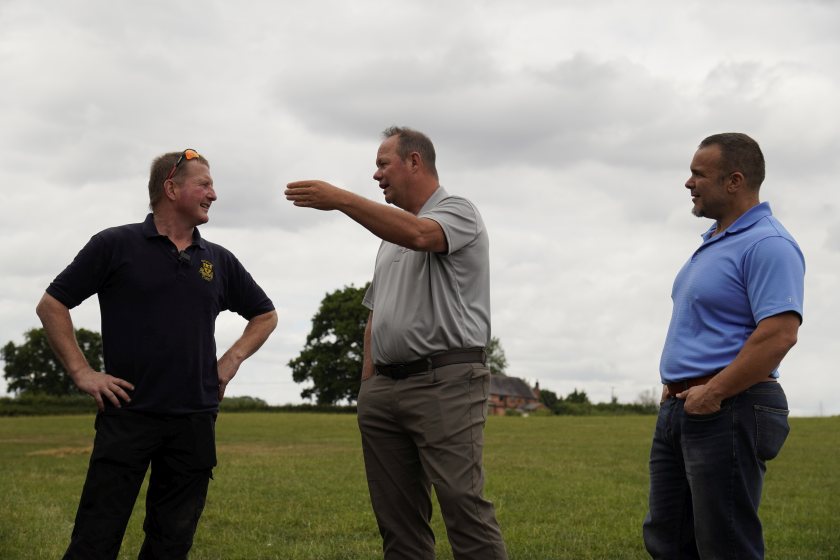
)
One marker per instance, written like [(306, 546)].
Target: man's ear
[(169, 189), (736, 182), (414, 161)]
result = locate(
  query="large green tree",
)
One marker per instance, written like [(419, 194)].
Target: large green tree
[(332, 357), (33, 368)]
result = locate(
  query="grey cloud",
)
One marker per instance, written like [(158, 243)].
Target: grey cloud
[(581, 109), (832, 239)]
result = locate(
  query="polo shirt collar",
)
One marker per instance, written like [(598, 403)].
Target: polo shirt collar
[(433, 200), (744, 221), (150, 231)]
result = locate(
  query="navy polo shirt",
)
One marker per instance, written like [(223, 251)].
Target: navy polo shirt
[(752, 270), (158, 309)]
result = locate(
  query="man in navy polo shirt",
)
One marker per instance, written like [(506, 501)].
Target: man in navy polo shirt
[(737, 311), (160, 287)]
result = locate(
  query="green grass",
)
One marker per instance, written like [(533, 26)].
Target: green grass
[(292, 486)]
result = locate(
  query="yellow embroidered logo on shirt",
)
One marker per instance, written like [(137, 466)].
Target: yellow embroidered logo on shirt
[(206, 270)]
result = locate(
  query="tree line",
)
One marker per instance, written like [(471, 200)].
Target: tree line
[(329, 364)]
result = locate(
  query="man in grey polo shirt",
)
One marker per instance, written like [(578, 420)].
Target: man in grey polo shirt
[(423, 399)]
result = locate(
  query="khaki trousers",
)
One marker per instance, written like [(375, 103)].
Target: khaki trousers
[(428, 431)]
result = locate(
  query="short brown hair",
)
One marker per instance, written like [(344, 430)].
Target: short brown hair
[(739, 152), (410, 140), (161, 167)]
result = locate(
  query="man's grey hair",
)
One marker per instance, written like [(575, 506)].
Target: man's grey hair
[(410, 140)]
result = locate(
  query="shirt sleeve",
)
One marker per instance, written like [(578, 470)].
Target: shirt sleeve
[(84, 276), (367, 301), (244, 295), (774, 271), (459, 220)]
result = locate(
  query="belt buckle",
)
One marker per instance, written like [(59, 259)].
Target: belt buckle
[(398, 371), (679, 387)]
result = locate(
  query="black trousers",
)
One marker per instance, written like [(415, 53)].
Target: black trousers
[(182, 453)]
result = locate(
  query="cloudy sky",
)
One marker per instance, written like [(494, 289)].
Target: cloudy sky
[(570, 124)]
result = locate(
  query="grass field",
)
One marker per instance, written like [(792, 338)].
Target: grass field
[(291, 486)]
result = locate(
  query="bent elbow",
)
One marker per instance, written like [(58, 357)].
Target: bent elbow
[(42, 309), (49, 309), (427, 243), (784, 342), (427, 236), (420, 244), (272, 321)]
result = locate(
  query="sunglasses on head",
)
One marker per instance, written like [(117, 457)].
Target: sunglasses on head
[(187, 154)]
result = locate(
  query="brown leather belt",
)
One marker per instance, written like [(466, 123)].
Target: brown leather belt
[(424, 365), (680, 386)]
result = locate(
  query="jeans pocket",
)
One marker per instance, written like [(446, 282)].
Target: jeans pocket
[(711, 416), (771, 430)]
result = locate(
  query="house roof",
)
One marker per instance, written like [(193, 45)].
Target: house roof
[(510, 387)]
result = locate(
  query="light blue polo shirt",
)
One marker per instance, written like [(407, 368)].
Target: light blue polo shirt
[(752, 270)]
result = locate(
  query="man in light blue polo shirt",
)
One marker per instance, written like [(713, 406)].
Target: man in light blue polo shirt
[(737, 307)]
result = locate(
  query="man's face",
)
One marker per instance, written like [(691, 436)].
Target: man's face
[(392, 173), (707, 184), (195, 194)]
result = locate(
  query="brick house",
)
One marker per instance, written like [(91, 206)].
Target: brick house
[(512, 393)]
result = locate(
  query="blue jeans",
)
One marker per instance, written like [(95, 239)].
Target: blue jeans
[(706, 475)]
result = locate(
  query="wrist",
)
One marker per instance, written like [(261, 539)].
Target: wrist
[(715, 391), (233, 358), (78, 372)]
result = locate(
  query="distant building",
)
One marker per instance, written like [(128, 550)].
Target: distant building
[(512, 393)]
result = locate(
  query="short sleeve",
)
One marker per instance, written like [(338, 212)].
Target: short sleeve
[(84, 276), (459, 220), (244, 295), (774, 271), (367, 301)]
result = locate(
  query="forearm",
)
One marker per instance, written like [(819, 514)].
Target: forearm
[(367, 359), (61, 335), (253, 337), (391, 224), (255, 334), (762, 353)]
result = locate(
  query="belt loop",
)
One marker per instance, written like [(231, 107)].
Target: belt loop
[(431, 368)]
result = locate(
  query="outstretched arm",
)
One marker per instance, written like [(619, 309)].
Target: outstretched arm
[(58, 325), (255, 334), (391, 224)]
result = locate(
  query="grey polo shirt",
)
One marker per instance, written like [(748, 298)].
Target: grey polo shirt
[(425, 303)]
